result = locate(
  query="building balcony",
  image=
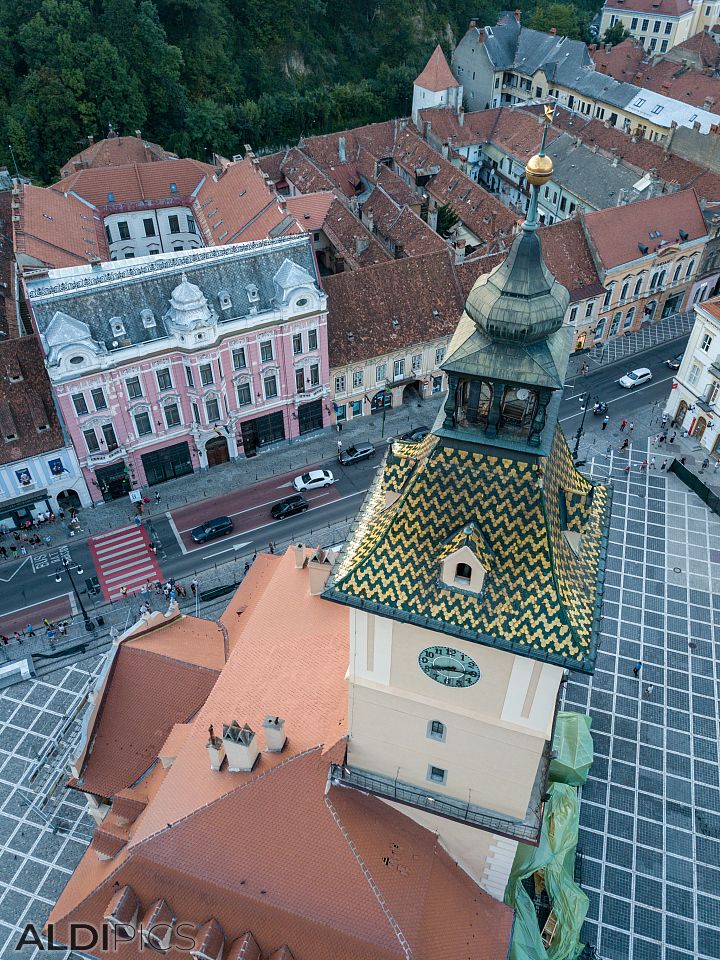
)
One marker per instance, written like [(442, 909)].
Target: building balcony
[(451, 808), (705, 406), (715, 367), (98, 459)]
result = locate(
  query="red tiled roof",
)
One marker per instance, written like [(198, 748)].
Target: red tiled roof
[(712, 307), (115, 152), (436, 75), (615, 233), (666, 8), (351, 239), (568, 257), (304, 175), (703, 45), (56, 230), (236, 205), (23, 356), (147, 694), (441, 124), (8, 317), (271, 164), (136, 182), (311, 209), (400, 226), (421, 294)]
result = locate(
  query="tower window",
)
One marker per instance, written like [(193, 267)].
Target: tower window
[(436, 774), (463, 574), (436, 730)]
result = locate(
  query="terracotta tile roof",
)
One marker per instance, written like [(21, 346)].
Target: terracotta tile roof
[(146, 695), (127, 808), (236, 205), (271, 164), (703, 45), (23, 356), (615, 233), (311, 209), (304, 175), (244, 948), (481, 213), (568, 257), (442, 124), (247, 597), (668, 77), (436, 75), (377, 138), (175, 739), (402, 227), (421, 294), (8, 318), (243, 861), (713, 307), (667, 8), (116, 152), (136, 182), (105, 844), (351, 239), (395, 187), (190, 640), (56, 230)]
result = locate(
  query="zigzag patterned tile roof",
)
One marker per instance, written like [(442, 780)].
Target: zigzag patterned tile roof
[(539, 598)]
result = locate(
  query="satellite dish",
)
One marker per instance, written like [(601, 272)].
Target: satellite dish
[(523, 394)]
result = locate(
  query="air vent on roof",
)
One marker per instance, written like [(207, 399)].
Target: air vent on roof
[(148, 319), (642, 247), (395, 323), (118, 327), (225, 301), (683, 235), (173, 188), (111, 198), (253, 293)]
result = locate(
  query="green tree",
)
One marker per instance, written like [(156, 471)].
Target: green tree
[(447, 220), (616, 34), (562, 16)]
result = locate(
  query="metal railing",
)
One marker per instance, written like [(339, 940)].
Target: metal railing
[(442, 806)]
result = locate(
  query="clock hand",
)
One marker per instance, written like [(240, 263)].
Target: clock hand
[(454, 669)]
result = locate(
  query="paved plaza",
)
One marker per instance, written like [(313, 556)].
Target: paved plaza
[(650, 826)]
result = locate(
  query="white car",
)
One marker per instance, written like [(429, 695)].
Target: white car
[(314, 479), (635, 378)]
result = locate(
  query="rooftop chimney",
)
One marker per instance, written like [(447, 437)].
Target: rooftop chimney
[(341, 149), (518, 14), (299, 549), (320, 567), (461, 116), (473, 24), (138, 135), (91, 139), (216, 750), (481, 35), (553, 31), (369, 220), (709, 102), (274, 729), (427, 127), (460, 251), (241, 747)]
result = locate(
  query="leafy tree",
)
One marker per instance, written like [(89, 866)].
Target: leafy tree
[(616, 34), (562, 16), (447, 220)]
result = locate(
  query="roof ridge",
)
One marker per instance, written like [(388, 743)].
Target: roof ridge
[(165, 656), (397, 929)]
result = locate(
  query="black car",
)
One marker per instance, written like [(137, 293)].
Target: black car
[(211, 529), (289, 507), (356, 453), (674, 364), (415, 435)]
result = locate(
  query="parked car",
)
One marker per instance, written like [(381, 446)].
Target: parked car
[(415, 435), (212, 529), (314, 479), (360, 451), (675, 362), (289, 507), (635, 377)]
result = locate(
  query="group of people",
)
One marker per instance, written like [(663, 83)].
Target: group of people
[(53, 629)]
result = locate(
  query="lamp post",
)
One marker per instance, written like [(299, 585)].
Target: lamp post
[(89, 625), (585, 400)]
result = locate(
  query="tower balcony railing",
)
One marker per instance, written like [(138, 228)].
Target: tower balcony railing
[(452, 808)]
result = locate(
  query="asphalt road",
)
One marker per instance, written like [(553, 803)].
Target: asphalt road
[(32, 581)]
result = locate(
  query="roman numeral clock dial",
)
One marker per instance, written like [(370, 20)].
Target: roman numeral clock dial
[(450, 667)]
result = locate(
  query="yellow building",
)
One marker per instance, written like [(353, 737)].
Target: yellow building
[(660, 24), (473, 578)]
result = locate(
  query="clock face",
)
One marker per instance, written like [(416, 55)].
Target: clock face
[(450, 667)]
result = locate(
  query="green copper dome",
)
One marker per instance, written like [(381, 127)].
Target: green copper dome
[(519, 301)]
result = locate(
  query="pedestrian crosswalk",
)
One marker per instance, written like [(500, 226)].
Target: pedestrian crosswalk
[(123, 559)]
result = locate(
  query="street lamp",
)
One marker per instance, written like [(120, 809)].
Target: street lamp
[(585, 400), (89, 625)]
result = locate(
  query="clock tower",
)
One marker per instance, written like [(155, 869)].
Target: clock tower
[(473, 577)]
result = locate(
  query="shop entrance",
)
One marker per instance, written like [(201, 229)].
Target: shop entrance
[(262, 431), (310, 416), (167, 464), (113, 481), (217, 451)]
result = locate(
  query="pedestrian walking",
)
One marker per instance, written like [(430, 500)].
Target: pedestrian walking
[(194, 585), (717, 466), (584, 370), (339, 446), (671, 438), (181, 590), (271, 547), (625, 444), (123, 592), (705, 464), (664, 464), (29, 630), (631, 426), (665, 419), (644, 465), (623, 424), (605, 422), (652, 463), (138, 522), (636, 669), (647, 691), (157, 496), (247, 567), (62, 629), (682, 460), (662, 438)]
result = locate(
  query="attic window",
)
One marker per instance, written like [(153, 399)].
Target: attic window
[(77, 360), (148, 319), (173, 188), (658, 109), (111, 198), (395, 323), (9, 437), (225, 301), (463, 574), (253, 293), (301, 302), (118, 328)]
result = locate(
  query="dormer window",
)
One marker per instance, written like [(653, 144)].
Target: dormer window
[(77, 360), (463, 574), (117, 327), (253, 294), (225, 301), (148, 319)]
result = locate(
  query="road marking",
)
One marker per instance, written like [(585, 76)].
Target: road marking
[(235, 546), (273, 523), (622, 396), (256, 506), (8, 579), (45, 559)]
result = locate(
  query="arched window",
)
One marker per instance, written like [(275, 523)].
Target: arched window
[(436, 730), (608, 296), (638, 285), (463, 574), (676, 273), (624, 292), (629, 317), (690, 268)]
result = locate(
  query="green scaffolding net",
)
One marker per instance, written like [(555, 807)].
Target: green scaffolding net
[(551, 865)]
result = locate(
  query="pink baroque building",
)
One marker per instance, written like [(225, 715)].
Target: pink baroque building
[(186, 360)]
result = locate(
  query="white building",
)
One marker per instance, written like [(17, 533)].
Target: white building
[(694, 401), (142, 233), (436, 86)]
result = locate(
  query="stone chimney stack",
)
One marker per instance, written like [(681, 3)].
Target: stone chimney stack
[(518, 14), (216, 750), (473, 24), (241, 747), (370, 220), (427, 127), (459, 251), (341, 149), (91, 139), (461, 116), (320, 567), (553, 31), (274, 730), (299, 550), (138, 134)]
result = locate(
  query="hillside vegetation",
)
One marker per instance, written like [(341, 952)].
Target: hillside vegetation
[(200, 76)]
